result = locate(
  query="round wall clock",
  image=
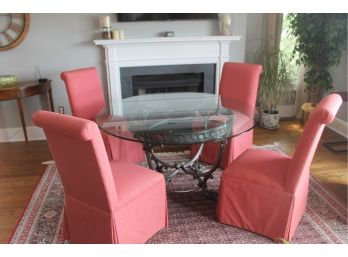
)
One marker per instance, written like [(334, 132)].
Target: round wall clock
[(13, 29)]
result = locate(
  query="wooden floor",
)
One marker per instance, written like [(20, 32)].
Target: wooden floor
[(21, 169)]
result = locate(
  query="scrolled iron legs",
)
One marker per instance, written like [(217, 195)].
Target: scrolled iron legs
[(192, 167)]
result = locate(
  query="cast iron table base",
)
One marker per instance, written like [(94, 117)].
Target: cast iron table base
[(191, 167)]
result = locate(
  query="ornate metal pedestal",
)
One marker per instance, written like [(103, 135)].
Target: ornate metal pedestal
[(191, 167), (158, 136)]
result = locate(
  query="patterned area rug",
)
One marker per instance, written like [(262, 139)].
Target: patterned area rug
[(191, 215)]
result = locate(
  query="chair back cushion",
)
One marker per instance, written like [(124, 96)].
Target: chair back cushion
[(79, 153), (324, 113), (85, 92), (239, 82)]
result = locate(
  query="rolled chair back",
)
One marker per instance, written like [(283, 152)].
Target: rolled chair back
[(323, 114), (79, 153)]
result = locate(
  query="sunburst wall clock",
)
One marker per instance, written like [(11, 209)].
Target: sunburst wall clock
[(13, 29)]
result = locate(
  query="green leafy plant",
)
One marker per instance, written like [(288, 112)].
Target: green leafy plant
[(274, 86), (320, 40)]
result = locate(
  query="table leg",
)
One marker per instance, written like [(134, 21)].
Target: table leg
[(21, 113), (147, 149), (208, 175)]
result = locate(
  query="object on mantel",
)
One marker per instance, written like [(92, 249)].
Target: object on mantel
[(169, 33), (105, 27), (118, 34), (225, 23)]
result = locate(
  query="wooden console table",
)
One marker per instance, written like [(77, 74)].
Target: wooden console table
[(25, 89)]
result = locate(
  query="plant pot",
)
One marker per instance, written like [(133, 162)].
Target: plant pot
[(306, 110), (269, 120)]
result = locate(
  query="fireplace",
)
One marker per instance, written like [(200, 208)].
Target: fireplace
[(167, 78), (126, 60)]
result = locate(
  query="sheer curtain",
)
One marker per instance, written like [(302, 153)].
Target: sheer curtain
[(273, 31), (301, 95)]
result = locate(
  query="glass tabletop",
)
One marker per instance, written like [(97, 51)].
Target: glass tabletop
[(177, 118)]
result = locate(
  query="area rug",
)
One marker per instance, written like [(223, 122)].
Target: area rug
[(191, 215)]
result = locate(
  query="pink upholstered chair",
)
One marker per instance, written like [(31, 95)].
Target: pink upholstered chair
[(239, 82), (86, 99), (104, 202), (265, 191)]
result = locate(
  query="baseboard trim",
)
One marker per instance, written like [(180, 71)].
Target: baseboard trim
[(339, 126), (16, 134)]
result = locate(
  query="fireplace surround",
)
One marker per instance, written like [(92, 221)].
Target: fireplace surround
[(169, 52)]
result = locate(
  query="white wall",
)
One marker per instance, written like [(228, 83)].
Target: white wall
[(254, 35), (339, 76), (59, 42), (239, 28), (157, 28), (55, 42)]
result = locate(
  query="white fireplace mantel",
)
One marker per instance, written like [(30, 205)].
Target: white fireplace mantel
[(161, 51)]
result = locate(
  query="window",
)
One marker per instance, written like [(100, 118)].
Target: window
[(287, 44)]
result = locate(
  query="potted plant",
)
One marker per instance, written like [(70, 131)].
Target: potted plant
[(274, 86), (320, 40)]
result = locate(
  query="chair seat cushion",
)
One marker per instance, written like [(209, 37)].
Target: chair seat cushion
[(132, 180), (261, 167)]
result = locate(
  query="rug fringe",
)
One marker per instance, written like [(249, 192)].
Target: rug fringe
[(50, 162)]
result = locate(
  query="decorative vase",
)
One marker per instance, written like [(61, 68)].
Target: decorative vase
[(225, 22), (104, 22), (306, 109)]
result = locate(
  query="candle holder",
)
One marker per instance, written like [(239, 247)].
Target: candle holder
[(106, 32), (105, 27)]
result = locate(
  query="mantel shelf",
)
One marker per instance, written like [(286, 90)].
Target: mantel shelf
[(109, 42)]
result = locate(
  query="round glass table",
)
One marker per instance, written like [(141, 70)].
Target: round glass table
[(178, 119)]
